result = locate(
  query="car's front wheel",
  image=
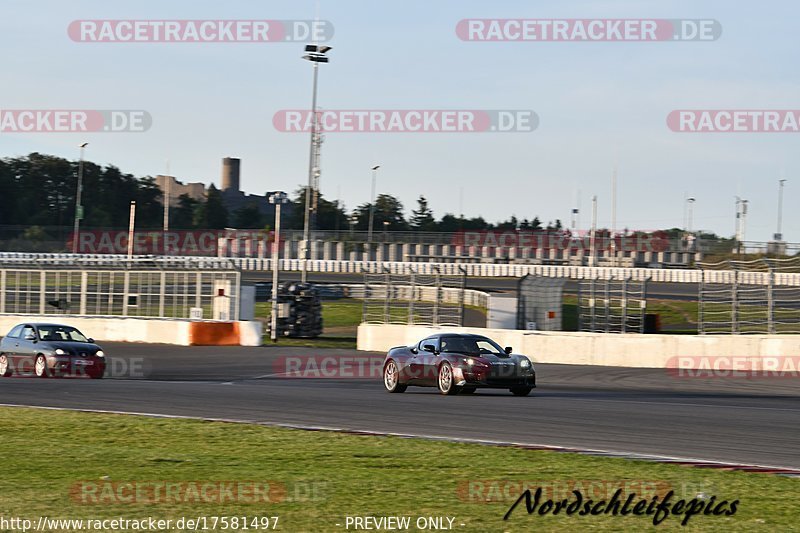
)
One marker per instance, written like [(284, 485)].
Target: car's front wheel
[(521, 391), (446, 380), (40, 367), (5, 366), (391, 378)]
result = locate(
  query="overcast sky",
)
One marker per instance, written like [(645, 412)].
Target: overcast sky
[(600, 105)]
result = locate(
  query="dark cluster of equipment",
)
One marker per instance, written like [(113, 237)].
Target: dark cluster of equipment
[(299, 310)]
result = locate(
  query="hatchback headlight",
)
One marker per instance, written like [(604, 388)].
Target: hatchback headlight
[(100, 353), (525, 363), (59, 351)]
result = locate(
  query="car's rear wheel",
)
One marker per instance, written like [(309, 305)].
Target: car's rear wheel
[(391, 378), (446, 380), (5, 366), (521, 391), (40, 367)]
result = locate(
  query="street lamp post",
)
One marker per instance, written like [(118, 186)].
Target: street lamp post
[(779, 234), (368, 249), (277, 199), (78, 206), (315, 54)]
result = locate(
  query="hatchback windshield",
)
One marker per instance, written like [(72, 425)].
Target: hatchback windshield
[(470, 345), (61, 333)]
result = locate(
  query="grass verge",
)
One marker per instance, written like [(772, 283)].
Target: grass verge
[(76, 465)]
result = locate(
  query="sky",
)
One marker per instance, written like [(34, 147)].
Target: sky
[(601, 105)]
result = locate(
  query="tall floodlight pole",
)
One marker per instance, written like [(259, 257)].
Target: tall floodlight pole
[(315, 54), (277, 199), (78, 206), (779, 234), (368, 249)]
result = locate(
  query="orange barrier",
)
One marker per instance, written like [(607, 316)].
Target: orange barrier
[(213, 334)]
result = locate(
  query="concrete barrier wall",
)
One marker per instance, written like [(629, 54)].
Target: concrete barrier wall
[(574, 348), (180, 332)]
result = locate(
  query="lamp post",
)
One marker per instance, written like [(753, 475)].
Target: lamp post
[(315, 54), (278, 199), (368, 249), (78, 206), (779, 234)]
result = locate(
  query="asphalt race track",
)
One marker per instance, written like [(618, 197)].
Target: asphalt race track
[(645, 411)]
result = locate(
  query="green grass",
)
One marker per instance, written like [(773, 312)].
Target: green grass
[(329, 475)]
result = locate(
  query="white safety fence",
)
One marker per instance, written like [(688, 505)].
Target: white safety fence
[(380, 267)]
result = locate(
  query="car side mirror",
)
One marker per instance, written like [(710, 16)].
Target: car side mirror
[(508, 349), (90, 340), (30, 337), (429, 348)]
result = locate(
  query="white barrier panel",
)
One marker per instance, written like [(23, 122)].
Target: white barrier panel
[(471, 269), (576, 348), (148, 330)]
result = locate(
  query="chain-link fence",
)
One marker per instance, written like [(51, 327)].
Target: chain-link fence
[(133, 288), (415, 299), (540, 303), (612, 305), (760, 296)]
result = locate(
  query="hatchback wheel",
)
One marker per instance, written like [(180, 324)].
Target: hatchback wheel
[(391, 378), (40, 367), (446, 380), (5, 366), (521, 391)]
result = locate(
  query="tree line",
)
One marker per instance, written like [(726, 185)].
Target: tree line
[(40, 190)]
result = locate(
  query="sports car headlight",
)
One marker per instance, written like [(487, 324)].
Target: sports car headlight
[(59, 351), (470, 361), (525, 363), (100, 353)]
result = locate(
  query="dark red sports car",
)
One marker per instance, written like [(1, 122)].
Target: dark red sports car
[(458, 363)]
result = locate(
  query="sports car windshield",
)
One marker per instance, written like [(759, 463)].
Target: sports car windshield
[(61, 333), (470, 345)]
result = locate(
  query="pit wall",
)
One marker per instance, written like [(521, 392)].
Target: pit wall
[(574, 348), (161, 331)]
